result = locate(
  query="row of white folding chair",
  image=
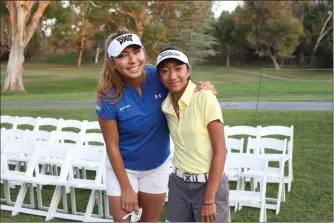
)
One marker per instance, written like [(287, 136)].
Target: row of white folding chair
[(57, 137), (277, 153), (260, 131), (257, 143), (45, 150), (58, 124), (250, 162)]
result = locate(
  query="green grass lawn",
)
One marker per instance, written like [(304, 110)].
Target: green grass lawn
[(49, 82), (310, 199)]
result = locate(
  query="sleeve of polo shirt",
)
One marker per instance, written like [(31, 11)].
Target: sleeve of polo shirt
[(211, 109), (105, 110)]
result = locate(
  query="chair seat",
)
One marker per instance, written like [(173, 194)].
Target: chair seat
[(20, 177), (87, 164), (81, 183), (272, 176), (231, 173), (244, 196)]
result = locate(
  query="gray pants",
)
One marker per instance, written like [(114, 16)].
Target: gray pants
[(185, 200)]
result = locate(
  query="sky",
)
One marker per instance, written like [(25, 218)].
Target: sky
[(219, 6)]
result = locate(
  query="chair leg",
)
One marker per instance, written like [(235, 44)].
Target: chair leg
[(20, 199), (279, 195), (283, 194), (100, 203), (65, 206), (32, 196), (7, 192), (73, 201), (90, 206), (54, 203), (106, 206)]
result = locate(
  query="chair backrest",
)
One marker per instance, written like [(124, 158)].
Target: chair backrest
[(12, 134), (243, 160), (276, 130), (52, 154), (70, 124), (279, 130), (90, 125), (260, 145), (38, 135), (242, 130), (17, 146), (7, 119), (64, 137), (25, 120), (46, 122), (95, 138), (234, 144)]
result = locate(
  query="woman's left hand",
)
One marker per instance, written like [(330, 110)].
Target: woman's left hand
[(206, 86), (208, 212)]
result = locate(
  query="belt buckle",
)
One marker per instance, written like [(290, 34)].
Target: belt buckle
[(187, 177)]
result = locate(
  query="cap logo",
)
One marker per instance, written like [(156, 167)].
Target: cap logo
[(169, 53), (123, 39)]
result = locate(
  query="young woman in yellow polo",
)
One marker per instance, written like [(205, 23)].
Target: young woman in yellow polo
[(198, 188)]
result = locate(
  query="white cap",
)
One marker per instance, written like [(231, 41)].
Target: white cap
[(176, 54), (116, 46)]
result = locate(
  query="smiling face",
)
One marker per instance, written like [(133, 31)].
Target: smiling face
[(174, 75), (131, 62)]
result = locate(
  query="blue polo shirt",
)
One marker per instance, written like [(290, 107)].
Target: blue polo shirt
[(142, 127)]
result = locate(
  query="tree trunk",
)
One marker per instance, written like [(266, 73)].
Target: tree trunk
[(227, 59), (321, 35), (273, 58), (82, 42), (13, 81), (97, 55)]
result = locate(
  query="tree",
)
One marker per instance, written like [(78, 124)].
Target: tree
[(229, 34), (273, 31), (189, 29), (24, 17)]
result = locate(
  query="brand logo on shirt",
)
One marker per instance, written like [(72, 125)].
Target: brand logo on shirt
[(157, 96), (98, 108), (124, 107)]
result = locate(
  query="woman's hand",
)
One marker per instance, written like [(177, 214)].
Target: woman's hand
[(129, 200), (207, 86), (208, 212)]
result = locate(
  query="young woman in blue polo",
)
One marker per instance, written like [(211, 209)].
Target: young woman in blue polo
[(135, 130)]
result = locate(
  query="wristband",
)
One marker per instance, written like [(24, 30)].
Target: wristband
[(209, 203)]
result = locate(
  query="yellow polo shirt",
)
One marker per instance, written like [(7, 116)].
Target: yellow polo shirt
[(193, 150)]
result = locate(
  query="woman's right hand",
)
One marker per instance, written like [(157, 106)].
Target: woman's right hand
[(129, 200)]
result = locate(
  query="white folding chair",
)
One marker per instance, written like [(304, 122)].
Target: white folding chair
[(15, 150), (251, 162), (286, 132), (43, 154), (275, 174), (90, 158)]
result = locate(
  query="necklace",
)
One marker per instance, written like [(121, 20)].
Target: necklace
[(176, 107)]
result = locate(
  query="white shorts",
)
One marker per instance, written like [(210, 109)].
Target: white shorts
[(150, 181)]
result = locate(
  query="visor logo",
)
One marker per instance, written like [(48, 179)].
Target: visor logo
[(123, 39)]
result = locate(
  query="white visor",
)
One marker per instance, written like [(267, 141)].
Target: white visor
[(176, 54), (116, 46)]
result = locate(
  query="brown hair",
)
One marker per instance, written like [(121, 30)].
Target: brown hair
[(110, 76)]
